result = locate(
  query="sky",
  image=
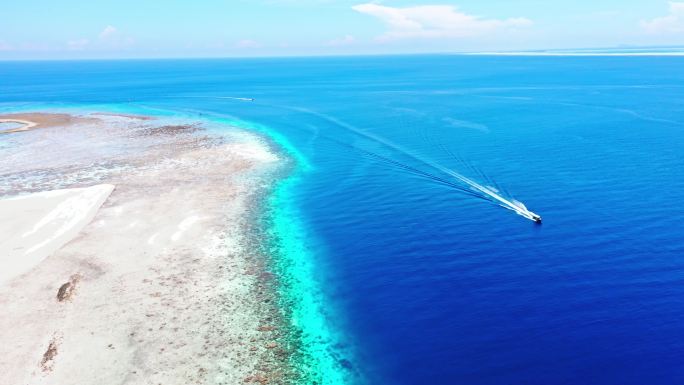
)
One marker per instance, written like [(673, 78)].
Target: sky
[(71, 29)]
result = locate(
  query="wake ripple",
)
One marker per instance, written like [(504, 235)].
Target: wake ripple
[(485, 192)]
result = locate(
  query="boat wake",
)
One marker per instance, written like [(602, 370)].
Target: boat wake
[(236, 98), (211, 97), (465, 184)]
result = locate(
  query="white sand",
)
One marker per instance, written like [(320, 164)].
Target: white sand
[(34, 226), (163, 286), (27, 125)]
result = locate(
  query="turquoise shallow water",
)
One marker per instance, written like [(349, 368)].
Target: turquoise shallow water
[(417, 281)]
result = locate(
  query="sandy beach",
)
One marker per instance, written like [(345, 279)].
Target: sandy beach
[(128, 254)]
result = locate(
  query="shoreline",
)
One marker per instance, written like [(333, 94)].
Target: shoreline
[(162, 277), (322, 353), (32, 120), (26, 125)]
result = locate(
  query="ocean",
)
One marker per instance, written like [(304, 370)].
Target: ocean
[(398, 272)]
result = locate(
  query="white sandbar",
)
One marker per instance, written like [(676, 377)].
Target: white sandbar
[(34, 226), (27, 125)]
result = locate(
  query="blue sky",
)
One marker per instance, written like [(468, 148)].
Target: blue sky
[(38, 29)]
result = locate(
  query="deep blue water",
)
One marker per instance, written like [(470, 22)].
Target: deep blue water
[(434, 286)]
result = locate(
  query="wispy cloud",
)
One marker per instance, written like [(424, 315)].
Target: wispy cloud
[(108, 38), (78, 44), (108, 32), (247, 43), (111, 37), (343, 41), (4, 46), (672, 23), (435, 21)]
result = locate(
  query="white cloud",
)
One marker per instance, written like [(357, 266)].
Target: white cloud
[(345, 40), (108, 32), (435, 21), (247, 43), (109, 38), (672, 23)]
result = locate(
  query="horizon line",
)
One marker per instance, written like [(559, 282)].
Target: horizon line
[(598, 51)]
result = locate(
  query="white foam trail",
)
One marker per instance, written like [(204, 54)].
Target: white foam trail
[(213, 97), (235, 98), (510, 204), (488, 193)]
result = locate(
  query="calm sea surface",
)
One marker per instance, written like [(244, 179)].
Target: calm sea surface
[(427, 283)]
